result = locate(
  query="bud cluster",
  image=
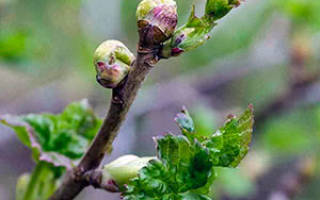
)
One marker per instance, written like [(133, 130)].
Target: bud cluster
[(157, 21), (112, 61)]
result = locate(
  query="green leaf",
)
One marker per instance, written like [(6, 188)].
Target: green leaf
[(229, 145), (182, 166), (185, 166), (58, 139)]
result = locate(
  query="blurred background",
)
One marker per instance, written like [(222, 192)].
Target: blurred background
[(265, 52)]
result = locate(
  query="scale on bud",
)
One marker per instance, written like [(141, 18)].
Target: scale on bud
[(112, 61), (157, 20)]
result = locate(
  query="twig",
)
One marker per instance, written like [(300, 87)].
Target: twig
[(301, 82), (123, 97), (296, 93), (95, 179)]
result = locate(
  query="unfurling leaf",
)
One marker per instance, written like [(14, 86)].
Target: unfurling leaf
[(229, 145), (196, 31)]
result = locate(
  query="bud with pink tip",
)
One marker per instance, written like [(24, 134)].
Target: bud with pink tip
[(112, 61)]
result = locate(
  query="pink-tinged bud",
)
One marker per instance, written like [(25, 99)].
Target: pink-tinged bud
[(157, 20), (112, 60)]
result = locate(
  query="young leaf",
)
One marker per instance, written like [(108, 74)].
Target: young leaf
[(190, 36), (196, 31), (182, 167), (229, 145), (57, 139), (185, 166)]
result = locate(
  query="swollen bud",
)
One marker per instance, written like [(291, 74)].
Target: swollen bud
[(124, 168), (112, 61), (157, 20)]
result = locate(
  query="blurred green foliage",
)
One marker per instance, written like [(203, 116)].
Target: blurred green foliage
[(302, 12), (293, 134)]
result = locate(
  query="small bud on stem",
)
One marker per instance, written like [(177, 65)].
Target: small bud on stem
[(112, 60)]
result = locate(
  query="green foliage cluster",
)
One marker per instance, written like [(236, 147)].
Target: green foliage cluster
[(56, 141), (185, 168), (57, 138)]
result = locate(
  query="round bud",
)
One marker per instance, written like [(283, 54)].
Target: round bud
[(157, 20), (112, 61), (124, 168)]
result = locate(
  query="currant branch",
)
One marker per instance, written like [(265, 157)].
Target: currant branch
[(117, 69)]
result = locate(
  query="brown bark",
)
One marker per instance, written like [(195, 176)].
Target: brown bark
[(123, 97)]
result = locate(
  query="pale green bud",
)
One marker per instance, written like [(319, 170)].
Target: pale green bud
[(112, 61), (124, 168)]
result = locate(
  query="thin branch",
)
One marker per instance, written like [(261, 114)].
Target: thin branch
[(301, 82), (122, 99), (95, 179), (297, 92)]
